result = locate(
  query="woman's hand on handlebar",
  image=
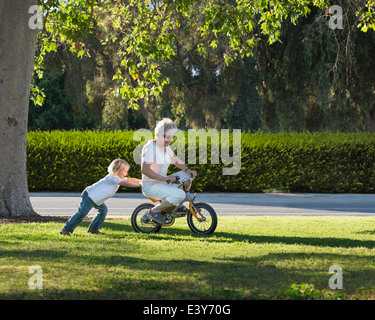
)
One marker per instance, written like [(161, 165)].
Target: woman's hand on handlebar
[(192, 172), (170, 179)]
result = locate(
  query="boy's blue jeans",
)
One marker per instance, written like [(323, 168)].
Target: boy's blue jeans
[(84, 208)]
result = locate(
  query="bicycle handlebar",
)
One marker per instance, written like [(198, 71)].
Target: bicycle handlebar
[(176, 182), (178, 179)]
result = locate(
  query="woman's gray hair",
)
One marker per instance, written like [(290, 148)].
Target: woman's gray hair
[(163, 126)]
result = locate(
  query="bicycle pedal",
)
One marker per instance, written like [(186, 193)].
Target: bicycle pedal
[(180, 215)]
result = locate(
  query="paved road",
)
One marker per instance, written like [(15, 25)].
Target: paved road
[(122, 204)]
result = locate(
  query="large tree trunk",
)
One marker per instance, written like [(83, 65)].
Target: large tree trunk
[(17, 50)]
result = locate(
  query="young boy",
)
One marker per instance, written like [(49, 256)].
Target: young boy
[(95, 195)]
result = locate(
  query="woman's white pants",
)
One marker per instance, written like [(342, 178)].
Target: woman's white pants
[(162, 190)]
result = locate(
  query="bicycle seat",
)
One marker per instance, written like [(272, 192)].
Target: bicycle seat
[(153, 200)]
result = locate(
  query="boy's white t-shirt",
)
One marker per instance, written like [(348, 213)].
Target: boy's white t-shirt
[(159, 160), (104, 189)]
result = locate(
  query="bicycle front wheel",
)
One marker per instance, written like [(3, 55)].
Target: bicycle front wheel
[(142, 224), (207, 221)]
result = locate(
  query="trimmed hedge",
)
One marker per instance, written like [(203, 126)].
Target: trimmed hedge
[(328, 163), (333, 163), (72, 160)]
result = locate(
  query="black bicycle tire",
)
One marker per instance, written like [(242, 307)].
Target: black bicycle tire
[(213, 215), (134, 224)]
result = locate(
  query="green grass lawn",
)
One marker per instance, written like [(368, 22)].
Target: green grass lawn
[(246, 258)]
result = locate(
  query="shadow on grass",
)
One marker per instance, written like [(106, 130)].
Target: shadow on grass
[(171, 233), (309, 241), (22, 254), (222, 278), (372, 232)]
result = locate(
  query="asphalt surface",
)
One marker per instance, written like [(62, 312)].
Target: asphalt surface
[(257, 204)]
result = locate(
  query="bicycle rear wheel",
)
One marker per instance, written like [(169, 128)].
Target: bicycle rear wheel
[(208, 219), (142, 224)]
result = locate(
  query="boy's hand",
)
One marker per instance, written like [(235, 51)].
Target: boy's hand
[(131, 183)]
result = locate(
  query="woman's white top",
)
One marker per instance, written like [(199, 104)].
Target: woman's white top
[(158, 159)]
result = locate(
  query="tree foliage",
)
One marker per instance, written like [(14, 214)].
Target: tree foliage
[(196, 59), (316, 78)]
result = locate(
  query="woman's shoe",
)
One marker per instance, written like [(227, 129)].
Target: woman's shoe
[(155, 216)]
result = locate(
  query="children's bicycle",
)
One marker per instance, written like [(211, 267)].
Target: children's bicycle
[(201, 217)]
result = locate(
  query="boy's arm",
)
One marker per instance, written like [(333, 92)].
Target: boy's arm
[(131, 183)]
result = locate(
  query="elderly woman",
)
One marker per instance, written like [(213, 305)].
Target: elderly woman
[(157, 155)]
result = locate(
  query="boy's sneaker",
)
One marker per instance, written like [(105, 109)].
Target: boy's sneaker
[(65, 232), (155, 216), (94, 231)]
